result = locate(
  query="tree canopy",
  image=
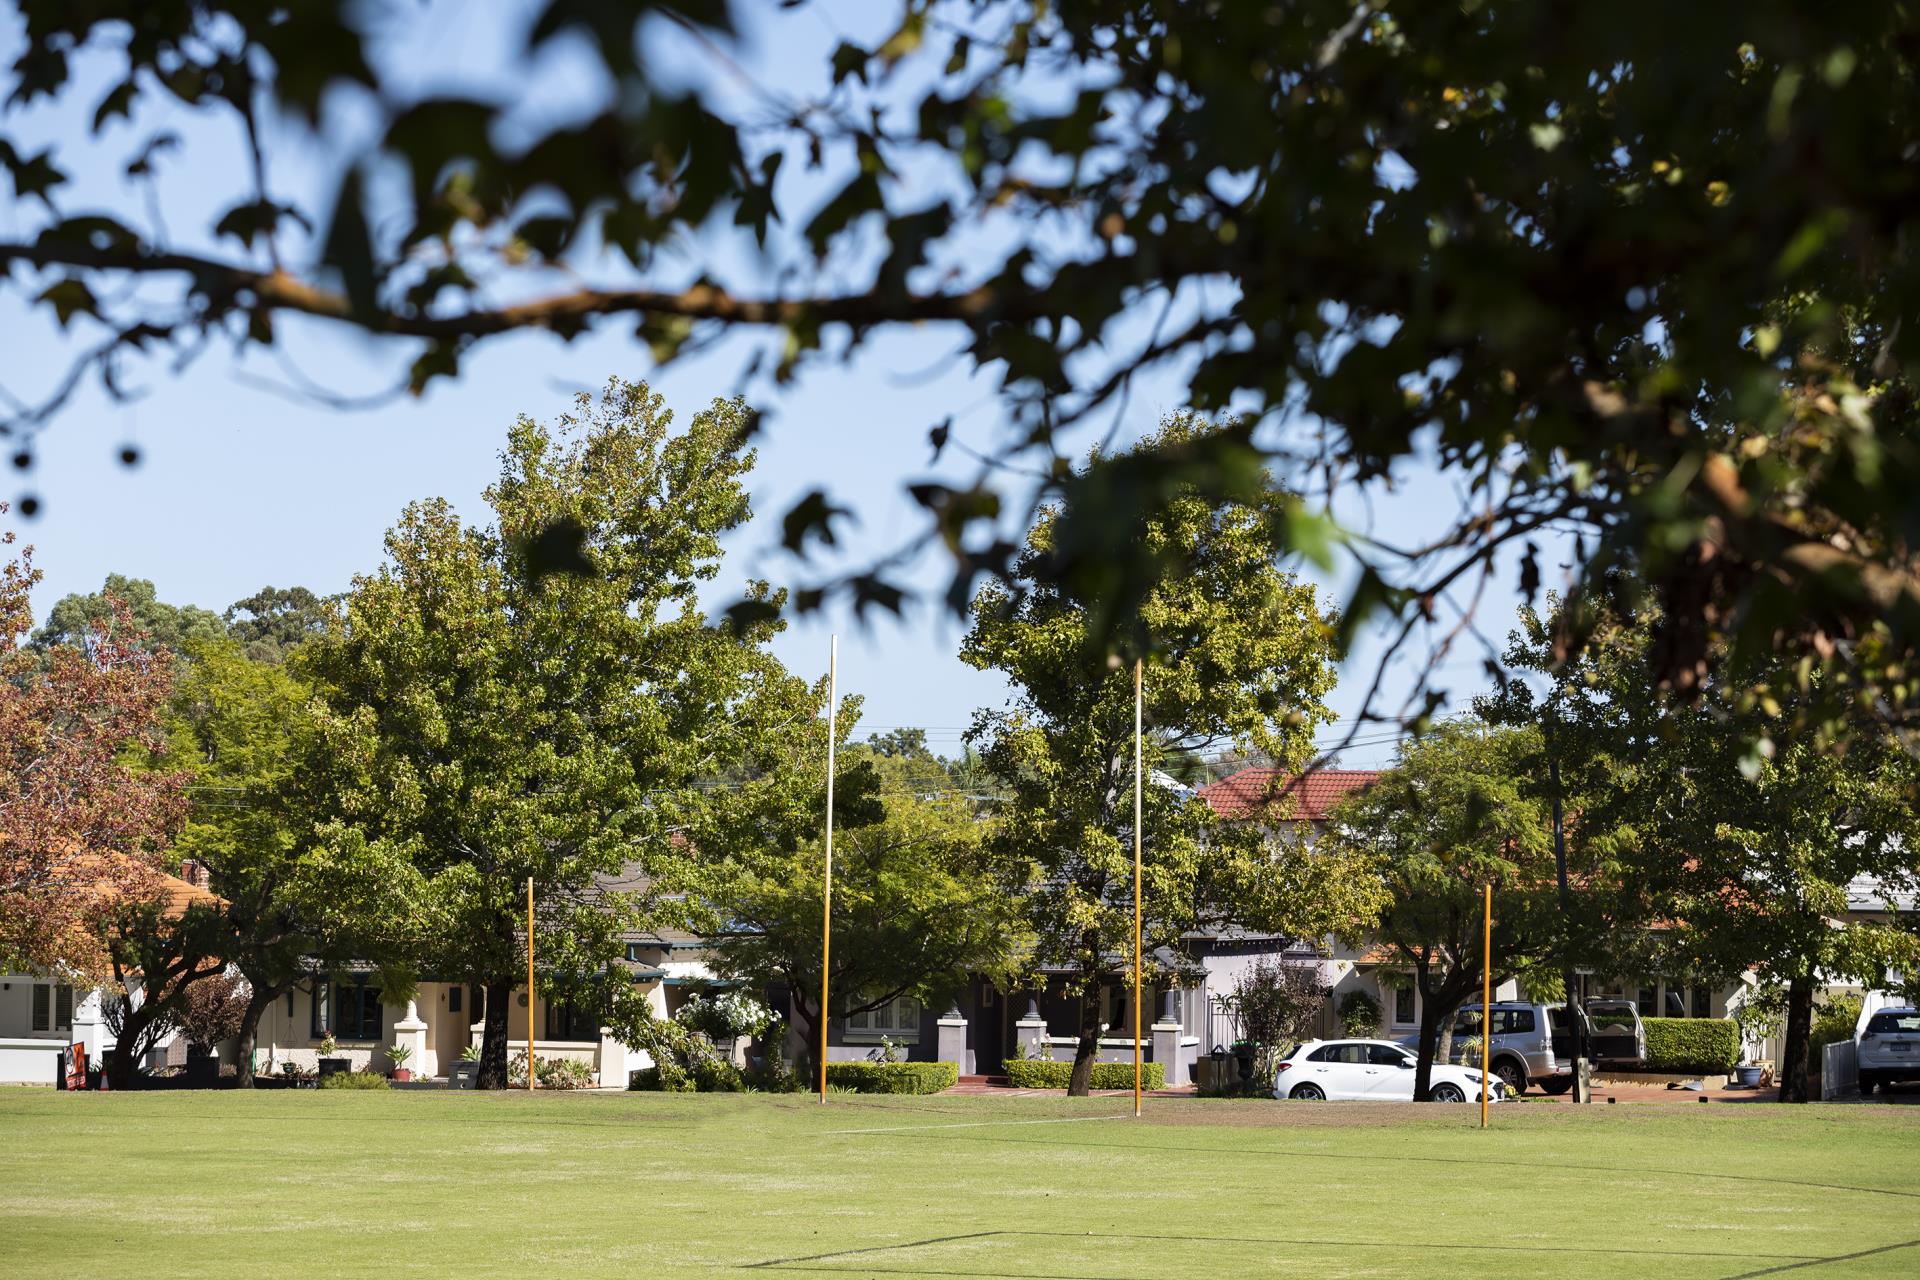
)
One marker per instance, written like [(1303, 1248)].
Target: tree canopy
[(1457, 812), (82, 833), (172, 627), (1236, 651), (1636, 272), (1744, 836), (488, 723)]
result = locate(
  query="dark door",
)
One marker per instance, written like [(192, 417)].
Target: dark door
[(987, 1027)]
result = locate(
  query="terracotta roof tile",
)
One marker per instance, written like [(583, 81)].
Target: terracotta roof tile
[(1305, 797)]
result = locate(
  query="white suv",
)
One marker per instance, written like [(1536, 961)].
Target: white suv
[(1889, 1048)]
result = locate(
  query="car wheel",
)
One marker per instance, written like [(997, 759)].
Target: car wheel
[(1511, 1076), (1557, 1085), (1446, 1091), (1307, 1093), (1866, 1085)]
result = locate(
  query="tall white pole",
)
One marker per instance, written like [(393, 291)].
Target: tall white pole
[(826, 896), (1136, 885)]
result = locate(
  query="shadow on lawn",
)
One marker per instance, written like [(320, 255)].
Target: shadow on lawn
[(1349, 1156), (823, 1261)]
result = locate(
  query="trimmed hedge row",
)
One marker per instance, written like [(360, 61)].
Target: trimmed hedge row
[(1692, 1044), (893, 1077), (1028, 1074)]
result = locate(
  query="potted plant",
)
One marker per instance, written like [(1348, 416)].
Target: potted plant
[(329, 1063), (398, 1054)]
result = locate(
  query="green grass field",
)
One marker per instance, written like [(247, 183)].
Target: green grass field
[(419, 1183)]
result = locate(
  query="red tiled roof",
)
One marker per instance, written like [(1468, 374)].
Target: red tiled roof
[(1306, 797)]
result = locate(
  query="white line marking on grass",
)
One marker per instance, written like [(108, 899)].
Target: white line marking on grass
[(971, 1124)]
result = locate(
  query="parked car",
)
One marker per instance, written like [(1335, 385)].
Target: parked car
[(1531, 1044), (1376, 1070), (1888, 1048)]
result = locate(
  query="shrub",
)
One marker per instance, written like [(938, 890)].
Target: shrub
[(893, 1077), (665, 1078), (724, 1016), (353, 1080), (716, 1075), (1359, 1015), (564, 1073), (1833, 1023), (1692, 1044), (1106, 1075)]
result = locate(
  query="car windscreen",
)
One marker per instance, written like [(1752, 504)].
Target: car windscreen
[(1890, 1023), (1615, 1017)]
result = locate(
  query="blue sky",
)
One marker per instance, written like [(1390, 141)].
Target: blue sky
[(242, 486)]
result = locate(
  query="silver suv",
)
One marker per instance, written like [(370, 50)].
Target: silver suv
[(1534, 1043)]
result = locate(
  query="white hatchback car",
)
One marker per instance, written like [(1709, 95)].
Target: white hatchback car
[(1889, 1048), (1380, 1070)]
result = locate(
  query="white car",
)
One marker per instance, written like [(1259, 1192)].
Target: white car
[(1889, 1048), (1380, 1070)]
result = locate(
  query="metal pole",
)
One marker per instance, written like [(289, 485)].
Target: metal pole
[(1486, 1002), (531, 1084), (826, 896), (1136, 885)]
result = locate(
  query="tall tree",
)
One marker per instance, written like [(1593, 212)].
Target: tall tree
[(916, 908), (273, 621), (1556, 247), (1731, 816), (259, 801), (81, 833), (1236, 651), (1458, 812), (495, 722), (171, 627)]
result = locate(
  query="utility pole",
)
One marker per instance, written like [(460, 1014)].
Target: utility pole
[(1576, 1018)]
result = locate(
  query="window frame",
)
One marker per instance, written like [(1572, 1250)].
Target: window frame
[(1412, 1010), (866, 1026), (330, 998)]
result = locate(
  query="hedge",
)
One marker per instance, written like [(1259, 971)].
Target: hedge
[(1692, 1044), (893, 1077), (1029, 1074), (353, 1080)]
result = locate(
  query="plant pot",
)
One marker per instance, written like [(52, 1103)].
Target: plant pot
[(335, 1066), (402, 1076), (203, 1071), (1747, 1077)]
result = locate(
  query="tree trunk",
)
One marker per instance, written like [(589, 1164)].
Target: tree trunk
[(1080, 1082), (1429, 1038), (1793, 1052), (493, 1039), (258, 1002), (123, 1058)]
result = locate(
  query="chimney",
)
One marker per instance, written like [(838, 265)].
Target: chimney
[(195, 873)]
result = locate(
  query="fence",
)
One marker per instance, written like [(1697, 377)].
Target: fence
[(1839, 1071)]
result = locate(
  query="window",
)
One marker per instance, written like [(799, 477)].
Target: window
[(52, 1006), (636, 952), (350, 1010), (1403, 1013), (1893, 1023), (1702, 1002), (896, 1018), (568, 1020), (453, 999), (1513, 1022), (1648, 1002), (1676, 1005), (1387, 1055), (1466, 1022), (289, 1002), (1348, 1052)]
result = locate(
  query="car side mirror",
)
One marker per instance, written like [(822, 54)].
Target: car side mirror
[(1405, 1065)]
